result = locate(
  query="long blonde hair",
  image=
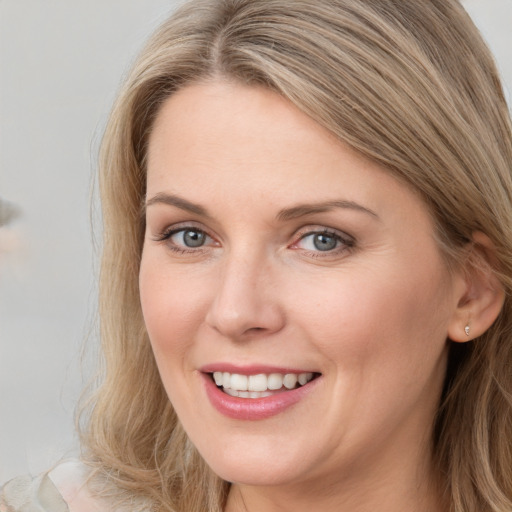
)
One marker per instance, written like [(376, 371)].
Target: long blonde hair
[(409, 84)]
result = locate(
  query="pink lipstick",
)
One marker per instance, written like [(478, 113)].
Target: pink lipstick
[(255, 393)]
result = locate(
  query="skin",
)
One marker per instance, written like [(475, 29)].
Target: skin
[(372, 315)]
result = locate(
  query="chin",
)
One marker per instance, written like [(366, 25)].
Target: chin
[(256, 474), (257, 464)]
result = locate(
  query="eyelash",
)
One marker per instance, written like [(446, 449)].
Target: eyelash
[(166, 236), (344, 242)]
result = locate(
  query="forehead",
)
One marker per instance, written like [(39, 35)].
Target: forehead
[(248, 144), (246, 118)]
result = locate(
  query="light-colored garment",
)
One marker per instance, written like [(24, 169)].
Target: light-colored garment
[(63, 489)]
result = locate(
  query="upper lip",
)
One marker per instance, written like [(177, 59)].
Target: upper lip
[(252, 369)]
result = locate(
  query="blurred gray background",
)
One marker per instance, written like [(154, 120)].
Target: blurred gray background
[(61, 62)]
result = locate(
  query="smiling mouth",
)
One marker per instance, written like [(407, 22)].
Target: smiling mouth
[(260, 385)]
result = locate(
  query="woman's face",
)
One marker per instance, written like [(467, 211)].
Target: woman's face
[(274, 254)]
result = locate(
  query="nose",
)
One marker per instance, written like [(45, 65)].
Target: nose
[(246, 301)]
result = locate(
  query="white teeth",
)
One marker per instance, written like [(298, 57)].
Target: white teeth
[(290, 380), (259, 394), (244, 386), (257, 382), (217, 377), (239, 382), (247, 394), (275, 381), (304, 378)]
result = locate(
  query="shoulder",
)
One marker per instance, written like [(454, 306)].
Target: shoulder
[(63, 489)]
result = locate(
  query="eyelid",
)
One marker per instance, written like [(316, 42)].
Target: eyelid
[(168, 228), (347, 241), (166, 233), (319, 229)]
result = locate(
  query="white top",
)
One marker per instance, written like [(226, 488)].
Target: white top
[(63, 489)]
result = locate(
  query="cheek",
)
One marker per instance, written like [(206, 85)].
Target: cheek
[(384, 337), (380, 321), (173, 304)]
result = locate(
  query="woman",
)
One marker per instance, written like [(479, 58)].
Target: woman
[(307, 266)]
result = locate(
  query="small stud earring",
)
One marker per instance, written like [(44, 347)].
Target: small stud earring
[(466, 330)]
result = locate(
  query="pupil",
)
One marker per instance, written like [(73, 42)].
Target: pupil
[(324, 242), (193, 238)]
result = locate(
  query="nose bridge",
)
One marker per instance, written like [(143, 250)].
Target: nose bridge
[(245, 300)]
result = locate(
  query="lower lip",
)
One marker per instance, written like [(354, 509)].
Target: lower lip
[(254, 408)]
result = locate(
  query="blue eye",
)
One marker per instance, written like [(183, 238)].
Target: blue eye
[(185, 239), (323, 241), (191, 238)]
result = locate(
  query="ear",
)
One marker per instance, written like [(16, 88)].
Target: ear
[(481, 296)]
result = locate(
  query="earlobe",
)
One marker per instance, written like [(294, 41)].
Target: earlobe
[(483, 294)]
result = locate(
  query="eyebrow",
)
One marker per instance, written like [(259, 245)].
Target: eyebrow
[(309, 209), (294, 212), (178, 202)]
